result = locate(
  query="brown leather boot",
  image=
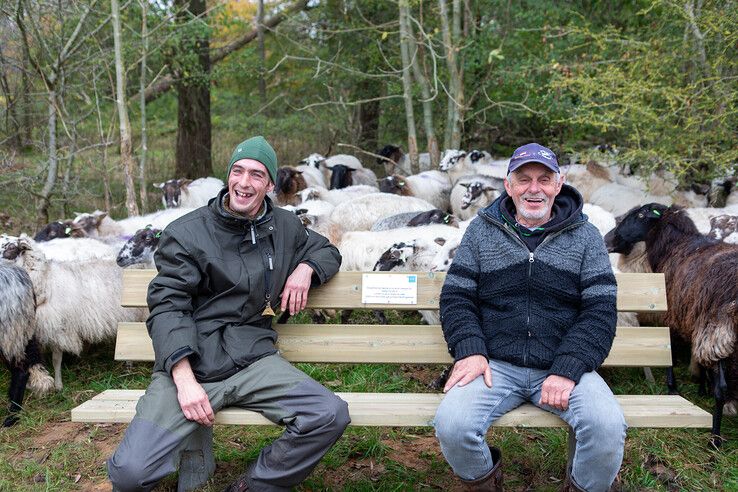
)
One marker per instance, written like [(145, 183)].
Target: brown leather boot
[(492, 481), (570, 486)]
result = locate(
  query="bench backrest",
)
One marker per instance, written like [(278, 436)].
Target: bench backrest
[(633, 346)]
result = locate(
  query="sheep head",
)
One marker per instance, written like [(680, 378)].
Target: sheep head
[(633, 227), (140, 248)]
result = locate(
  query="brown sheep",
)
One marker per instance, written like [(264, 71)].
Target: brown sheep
[(702, 290)]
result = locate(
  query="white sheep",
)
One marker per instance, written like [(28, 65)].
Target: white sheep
[(415, 219), (458, 163), (360, 250), (98, 225), (603, 220), (77, 249), (336, 197), (472, 193), (188, 193), (76, 302), (361, 213), (702, 216), (431, 186)]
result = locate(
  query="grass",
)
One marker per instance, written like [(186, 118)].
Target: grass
[(45, 451)]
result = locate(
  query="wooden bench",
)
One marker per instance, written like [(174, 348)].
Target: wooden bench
[(421, 344)]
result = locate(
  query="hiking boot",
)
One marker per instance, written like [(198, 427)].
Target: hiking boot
[(240, 485), (492, 481)]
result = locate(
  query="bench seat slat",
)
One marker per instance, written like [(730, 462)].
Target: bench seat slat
[(418, 409), (633, 346), (637, 292)]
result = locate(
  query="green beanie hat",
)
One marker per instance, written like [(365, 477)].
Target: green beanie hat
[(258, 149)]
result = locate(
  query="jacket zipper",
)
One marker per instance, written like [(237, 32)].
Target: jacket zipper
[(531, 259)]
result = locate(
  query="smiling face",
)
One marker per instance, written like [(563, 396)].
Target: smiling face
[(248, 184), (533, 188)]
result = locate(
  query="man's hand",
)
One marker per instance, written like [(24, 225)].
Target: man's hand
[(192, 398), (555, 391), (295, 293), (467, 370)]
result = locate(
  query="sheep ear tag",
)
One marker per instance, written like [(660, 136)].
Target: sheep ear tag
[(655, 213)]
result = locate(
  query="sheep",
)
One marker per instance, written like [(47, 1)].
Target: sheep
[(603, 220), (312, 207), (701, 216), (458, 163), (98, 225), (76, 302), (187, 193), (361, 249), (336, 197), (724, 228), (18, 345), (324, 165), (82, 249), (343, 176), (312, 175), (415, 219), (432, 186), (140, 248), (587, 178), (59, 229), (472, 193), (289, 183), (361, 213), (396, 160), (702, 289), (619, 199)]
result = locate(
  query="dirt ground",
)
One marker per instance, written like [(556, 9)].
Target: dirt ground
[(100, 440)]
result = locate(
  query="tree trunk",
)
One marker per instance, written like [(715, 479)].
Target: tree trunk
[(126, 155), (43, 199), (452, 135), (369, 114), (427, 100), (407, 87), (193, 154), (262, 54), (12, 123), (142, 105)]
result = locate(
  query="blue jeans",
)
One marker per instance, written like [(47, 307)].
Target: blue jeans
[(466, 412)]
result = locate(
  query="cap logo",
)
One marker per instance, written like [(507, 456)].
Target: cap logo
[(545, 154)]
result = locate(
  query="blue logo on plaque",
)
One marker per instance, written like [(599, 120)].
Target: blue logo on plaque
[(412, 278)]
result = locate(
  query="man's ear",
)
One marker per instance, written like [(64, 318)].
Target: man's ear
[(508, 186)]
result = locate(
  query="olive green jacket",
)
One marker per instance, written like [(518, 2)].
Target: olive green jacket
[(216, 275)]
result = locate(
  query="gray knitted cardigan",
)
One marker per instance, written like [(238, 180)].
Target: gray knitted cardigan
[(553, 308)]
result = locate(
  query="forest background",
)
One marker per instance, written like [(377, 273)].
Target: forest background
[(101, 98)]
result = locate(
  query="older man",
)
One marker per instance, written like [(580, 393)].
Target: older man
[(528, 312), (221, 270)]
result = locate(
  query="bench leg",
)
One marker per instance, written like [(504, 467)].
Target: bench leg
[(196, 462), (649, 375), (571, 442)]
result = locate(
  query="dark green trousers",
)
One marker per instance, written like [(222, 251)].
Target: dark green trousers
[(313, 416)]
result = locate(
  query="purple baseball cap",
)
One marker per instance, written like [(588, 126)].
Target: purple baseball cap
[(533, 152)]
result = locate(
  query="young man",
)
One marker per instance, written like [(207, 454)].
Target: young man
[(221, 270), (528, 312)]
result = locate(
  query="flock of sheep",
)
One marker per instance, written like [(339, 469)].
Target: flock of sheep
[(61, 289)]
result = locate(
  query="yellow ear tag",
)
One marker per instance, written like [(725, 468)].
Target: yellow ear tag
[(267, 310)]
